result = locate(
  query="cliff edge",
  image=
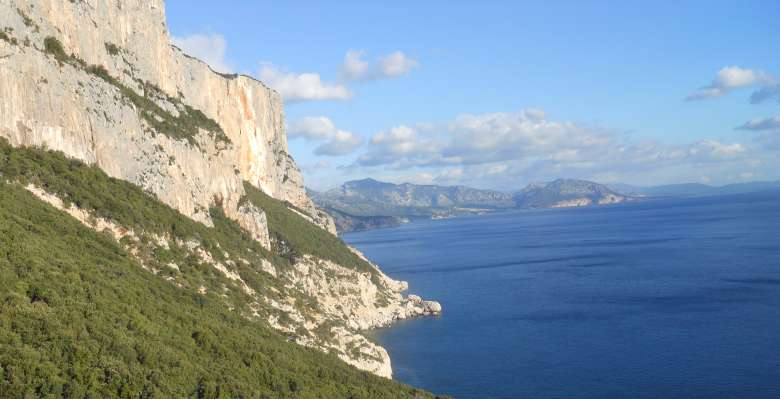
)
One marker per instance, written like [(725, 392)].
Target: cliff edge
[(100, 81)]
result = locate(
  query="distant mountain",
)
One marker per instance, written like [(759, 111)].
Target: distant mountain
[(368, 203), (369, 197), (563, 193), (695, 189)]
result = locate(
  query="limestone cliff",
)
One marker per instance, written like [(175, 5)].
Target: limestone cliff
[(99, 81), (63, 106)]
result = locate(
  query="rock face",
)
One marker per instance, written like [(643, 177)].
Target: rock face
[(565, 193), (66, 106), (99, 81)]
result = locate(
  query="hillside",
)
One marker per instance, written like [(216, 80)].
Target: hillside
[(110, 292), (153, 179)]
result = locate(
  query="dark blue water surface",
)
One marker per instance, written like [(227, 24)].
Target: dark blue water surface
[(673, 298)]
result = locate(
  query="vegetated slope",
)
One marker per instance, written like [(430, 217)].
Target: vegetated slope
[(82, 315)]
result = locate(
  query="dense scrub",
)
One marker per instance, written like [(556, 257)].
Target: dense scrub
[(298, 236), (80, 317)]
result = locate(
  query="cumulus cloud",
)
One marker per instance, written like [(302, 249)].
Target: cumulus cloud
[(492, 137), (336, 142), (356, 68), (496, 149), (400, 145), (731, 78), (210, 48), (762, 124), (302, 86)]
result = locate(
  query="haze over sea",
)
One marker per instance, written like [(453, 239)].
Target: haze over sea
[(671, 298)]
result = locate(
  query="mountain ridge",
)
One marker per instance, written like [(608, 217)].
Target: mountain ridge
[(369, 203)]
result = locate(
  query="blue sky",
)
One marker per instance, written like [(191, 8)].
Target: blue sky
[(497, 94)]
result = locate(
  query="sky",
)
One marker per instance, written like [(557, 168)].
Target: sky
[(498, 94)]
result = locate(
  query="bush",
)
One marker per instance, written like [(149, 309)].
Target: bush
[(53, 46), (80, 317)]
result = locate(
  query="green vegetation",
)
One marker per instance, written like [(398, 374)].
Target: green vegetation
[(183, 126), (294, 236), (5, 36), (80, 317), (112, 48), (89, 188), (53, 47)]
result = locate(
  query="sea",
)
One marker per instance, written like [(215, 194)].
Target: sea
[(672, 298)]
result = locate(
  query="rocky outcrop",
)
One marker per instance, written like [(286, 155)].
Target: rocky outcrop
[(253, 220), (358, 302)]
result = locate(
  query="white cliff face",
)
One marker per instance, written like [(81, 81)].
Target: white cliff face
[(102, 116), (60, 106)]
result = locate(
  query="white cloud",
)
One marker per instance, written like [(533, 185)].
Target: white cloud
[(399, 145), (336, 142), (716, 149), (209, 48), (762, 124), (485, 138), (302, 86), (397, 64), (356, 68), (497, 149), (730, 78)]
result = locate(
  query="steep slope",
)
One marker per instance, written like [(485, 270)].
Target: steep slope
[(564, 193), (186, 168), (100, 81), (296, 288), (80, 317)]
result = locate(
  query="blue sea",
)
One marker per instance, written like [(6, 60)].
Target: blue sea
[(661, 299)]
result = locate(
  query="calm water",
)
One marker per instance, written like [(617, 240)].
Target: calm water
[(679, 298)]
